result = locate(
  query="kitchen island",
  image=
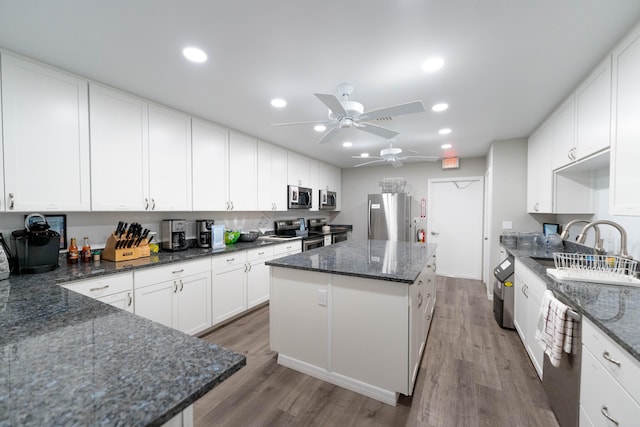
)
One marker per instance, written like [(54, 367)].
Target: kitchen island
[(355, 314)]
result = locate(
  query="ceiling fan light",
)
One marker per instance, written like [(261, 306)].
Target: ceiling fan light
[(440, 107), (432, 64)]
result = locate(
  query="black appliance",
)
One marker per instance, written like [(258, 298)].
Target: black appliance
[(36, 248), (173, 233), (203, 232), (327, 200), (295, 228), (299, 197), (503, 294)]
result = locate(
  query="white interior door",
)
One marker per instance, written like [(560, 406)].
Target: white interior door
[(487, 271), (454, 222)]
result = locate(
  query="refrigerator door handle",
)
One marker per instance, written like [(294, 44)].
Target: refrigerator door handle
[(369, 221)]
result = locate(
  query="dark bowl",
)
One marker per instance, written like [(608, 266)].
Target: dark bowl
[(248, 236)]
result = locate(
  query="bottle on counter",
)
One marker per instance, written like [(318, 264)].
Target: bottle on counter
[(85, 256), (72, 255)]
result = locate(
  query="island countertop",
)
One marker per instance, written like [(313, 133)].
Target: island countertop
[(67, 359), (374, 259)]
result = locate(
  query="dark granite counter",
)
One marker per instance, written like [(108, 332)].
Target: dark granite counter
[(374, 259), (67, 359), (615, 309)]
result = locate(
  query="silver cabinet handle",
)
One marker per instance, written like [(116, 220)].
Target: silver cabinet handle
[(605, 411), (146, 204), (99, 289), (175, 287), (153, 204), (232, 205), (419, 300), (11, 201), (607, 356), (177, 271), (230, 259), (181, 286), (130, 302)]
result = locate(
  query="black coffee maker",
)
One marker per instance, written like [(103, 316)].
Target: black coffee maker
[(36, 248)]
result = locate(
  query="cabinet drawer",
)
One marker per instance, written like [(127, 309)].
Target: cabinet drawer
[(171, 271), (259, 253), (102, 286), (284, 248), (601, 395), (627, 373), (221, 261)]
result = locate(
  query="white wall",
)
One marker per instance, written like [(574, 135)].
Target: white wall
[(357, 183)]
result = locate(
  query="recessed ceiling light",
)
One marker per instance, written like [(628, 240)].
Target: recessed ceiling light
[(364, 155), (278, 102), (440, 107), (445, 146), (347, 144), (445, 131), (319, 128), (432, 64), (194, 54)]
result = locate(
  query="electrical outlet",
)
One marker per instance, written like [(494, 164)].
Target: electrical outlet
[(322, 297)]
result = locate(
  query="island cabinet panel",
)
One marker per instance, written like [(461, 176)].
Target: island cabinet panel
[(296, 300), (370, 340)]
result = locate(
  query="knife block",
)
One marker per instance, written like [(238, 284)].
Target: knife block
[(110, 253)]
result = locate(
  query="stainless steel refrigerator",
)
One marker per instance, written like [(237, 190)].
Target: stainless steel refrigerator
[(389, 216)]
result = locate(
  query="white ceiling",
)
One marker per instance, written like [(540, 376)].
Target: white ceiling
[(508, 62)]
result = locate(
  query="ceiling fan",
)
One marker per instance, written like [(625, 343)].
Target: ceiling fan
[(393, 155), (346, 114)]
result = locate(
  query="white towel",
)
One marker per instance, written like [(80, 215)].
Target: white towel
[(555, 331)]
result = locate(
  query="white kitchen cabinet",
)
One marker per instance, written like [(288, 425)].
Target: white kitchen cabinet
[(176, 295), (329, 178), (169, 159), (593, 111), (243, 180), (539, 170), (298, 170), (285, 249), (229, 289), (114, 289), (272, 177), (210, 152), (528, 293), (45, 138), (2, 203), (609, 381), (564, 134), (119, 151), (258, 275), (625, 133)]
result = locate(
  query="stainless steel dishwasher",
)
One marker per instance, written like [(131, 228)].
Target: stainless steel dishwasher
[(562, 384)]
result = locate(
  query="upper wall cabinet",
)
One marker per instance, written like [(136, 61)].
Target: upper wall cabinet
[(243, 180), (330, 178), (272, 177), (169, 159), (539, 169), (2, 204), (46, 138), (625, 134), (564, 134), (298, 170), (119, 151), (210, 152)]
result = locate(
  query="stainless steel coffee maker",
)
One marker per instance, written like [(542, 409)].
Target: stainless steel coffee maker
[(173, 232), (203, 232)]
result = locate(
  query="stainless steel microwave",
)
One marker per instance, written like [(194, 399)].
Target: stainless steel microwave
[(299, 197), (327, 200)]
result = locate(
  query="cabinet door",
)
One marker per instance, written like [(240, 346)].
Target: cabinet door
[(539, 170), (243, 193), (194, 303), (297, 169), (564, 135), (210, 154), (169, 159), (536, 353), (593, 111), (2, 200), (228, 291), (272, 177), (625, 149), (121, 300), (258, 283), (155, 302), (46, 138), (119, 151), (519, 306)]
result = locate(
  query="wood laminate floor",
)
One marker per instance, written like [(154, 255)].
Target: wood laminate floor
[(473, 373)]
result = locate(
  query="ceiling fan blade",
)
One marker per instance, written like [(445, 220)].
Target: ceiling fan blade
[(332, 103), (396, 163), (377, 130), (324, 122), (368, 163), (329, 135), (396, 110), (368, 157), (428, 158)]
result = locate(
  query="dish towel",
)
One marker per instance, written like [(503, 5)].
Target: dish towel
[(555, 330)]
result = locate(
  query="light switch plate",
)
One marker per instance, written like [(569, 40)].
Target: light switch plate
[(322, 297), (507, 225)]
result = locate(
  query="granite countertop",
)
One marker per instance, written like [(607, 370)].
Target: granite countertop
[(67, 359), (374, 259), (615, 309)]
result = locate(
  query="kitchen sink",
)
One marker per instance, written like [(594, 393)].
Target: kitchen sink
[(545, 262)]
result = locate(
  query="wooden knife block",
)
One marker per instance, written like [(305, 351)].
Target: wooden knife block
[(110, 253)]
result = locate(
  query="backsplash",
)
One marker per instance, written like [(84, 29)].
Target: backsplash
[(99, 225)]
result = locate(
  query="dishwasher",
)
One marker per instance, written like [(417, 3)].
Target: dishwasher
[(562, 384)]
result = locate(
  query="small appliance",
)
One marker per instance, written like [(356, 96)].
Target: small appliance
[(173, 233), (327, 200), (299, 197), (203, 232), (36, 248)]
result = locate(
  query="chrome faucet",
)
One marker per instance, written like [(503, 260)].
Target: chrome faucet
[(623, 236), (565, 231)]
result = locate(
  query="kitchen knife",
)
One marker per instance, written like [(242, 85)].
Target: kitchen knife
[(142, 237)]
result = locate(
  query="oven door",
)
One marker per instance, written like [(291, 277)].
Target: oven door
[(339, 237), (312, 243)]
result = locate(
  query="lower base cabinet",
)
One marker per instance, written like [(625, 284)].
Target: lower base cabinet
[(228, 278), (183, 302), (115, 290)]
